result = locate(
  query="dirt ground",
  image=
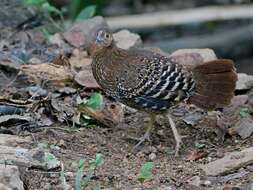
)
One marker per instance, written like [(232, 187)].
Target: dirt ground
[(25, 63), (121, 167)]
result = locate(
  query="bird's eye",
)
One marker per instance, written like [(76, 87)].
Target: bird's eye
[(107, 35)]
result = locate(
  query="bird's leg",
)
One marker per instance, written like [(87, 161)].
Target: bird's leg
[(146, 136), (177, 136)]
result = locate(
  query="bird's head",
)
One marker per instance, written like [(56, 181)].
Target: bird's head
[(103, 38)]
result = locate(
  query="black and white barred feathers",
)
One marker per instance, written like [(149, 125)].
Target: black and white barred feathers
[(142, 79)]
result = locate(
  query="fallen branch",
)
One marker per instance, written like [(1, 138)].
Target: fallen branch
[(175, 17)]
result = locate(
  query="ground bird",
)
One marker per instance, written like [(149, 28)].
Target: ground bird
[(154, 83)]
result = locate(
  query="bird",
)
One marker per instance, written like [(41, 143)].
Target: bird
[(154, 83)]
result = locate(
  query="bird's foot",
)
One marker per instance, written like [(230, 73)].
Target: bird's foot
[(145, 137), (177, 136)]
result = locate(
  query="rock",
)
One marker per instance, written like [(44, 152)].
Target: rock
[(230, 162), (56, 39), (10, 178), (195, 180), (206, 54), (206, 183), (85, 78), (245, 82), (227, 178), (250, 168), (12, 151), (193, 118), (4, 187), (244, 127), (34, 60), (82, 33), (125, 39), (152, 156)]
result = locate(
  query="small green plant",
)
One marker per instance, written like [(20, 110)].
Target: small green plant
[(244, 112), (45, 8), (94, 102), (199, 145), (78, 10), (94, 164), (79, 175), (50, 161), (80, 182), (146, 172), (63, 178)]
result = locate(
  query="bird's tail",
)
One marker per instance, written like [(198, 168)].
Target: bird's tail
[(215, 83)]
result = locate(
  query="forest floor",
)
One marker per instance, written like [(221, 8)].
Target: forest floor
[(41, 90)]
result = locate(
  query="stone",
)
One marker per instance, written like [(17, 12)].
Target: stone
[(125, 39), (230, 162), (206, 54), (195, 180), (10, 178), (12, 151), (4, 187), (152, 156), (82, 33), (56, 39), (245, 82)]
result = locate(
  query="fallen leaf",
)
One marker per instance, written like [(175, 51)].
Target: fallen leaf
[(196, 154), (110, 115)]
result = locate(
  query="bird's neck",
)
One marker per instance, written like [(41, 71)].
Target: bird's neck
[(106, 66)]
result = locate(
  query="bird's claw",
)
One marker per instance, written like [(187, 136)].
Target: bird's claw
[(145, 137)]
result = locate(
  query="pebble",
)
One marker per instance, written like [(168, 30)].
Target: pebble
[(250, 168), (152, 156), (206, 183), (195, 180)]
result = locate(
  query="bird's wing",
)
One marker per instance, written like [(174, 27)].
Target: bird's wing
[(154, 81)]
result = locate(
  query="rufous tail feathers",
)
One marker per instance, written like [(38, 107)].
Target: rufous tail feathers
[(215, 83)]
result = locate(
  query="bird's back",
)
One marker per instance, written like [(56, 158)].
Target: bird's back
[(142, 79)]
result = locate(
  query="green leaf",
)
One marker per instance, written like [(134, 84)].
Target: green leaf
[(244, 112), (84, 119), (95, 101), (79, 175), (99, 159), (199, 145), (50, 8), (146, 172), (86, 13)]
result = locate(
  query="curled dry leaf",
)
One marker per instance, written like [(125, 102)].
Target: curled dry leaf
[(196, 154), (110, 115)]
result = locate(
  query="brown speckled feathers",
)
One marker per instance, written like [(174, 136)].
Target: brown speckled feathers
[(152, 82)]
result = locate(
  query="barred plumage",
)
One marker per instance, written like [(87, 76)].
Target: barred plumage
[(152, 82)]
